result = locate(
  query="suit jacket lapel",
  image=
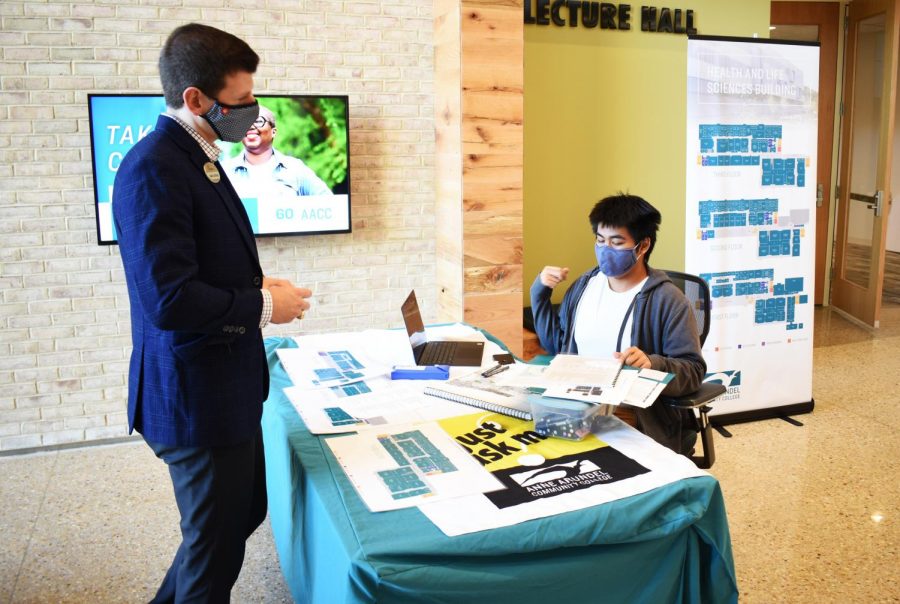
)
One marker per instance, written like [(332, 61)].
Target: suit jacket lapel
[(234, 198), (223, 188), (233, 203)]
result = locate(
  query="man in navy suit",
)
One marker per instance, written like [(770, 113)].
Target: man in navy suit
[(199, 300)]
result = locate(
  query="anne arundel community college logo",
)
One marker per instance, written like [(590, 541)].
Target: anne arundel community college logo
[(731, 379), (564, 474), (561, 477)]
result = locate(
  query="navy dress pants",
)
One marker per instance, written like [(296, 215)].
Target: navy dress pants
[(221, 495)]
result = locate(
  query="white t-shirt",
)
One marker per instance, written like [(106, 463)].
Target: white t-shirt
[(599, 317)]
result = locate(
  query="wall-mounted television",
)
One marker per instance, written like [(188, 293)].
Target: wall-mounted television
[(303, 188)]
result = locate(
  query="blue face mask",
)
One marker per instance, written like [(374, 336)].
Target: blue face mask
[(613, 262)]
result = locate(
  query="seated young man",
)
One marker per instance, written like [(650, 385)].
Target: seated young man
[(625, 309)]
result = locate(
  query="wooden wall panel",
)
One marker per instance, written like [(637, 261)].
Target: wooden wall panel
[(494, 279), (493, 250), (448, 161), (482, 136), (490, 21), (481, 178), (488, 312)]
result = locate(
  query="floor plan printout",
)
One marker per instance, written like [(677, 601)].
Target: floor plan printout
[(404, 465), (368, 404), (328, 368)]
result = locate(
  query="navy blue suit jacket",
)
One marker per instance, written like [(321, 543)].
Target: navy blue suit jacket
[(198, 373)]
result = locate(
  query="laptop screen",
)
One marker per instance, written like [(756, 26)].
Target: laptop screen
[(415, 329)]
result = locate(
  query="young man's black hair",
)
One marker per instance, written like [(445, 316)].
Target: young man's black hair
[(201, 56), (631, 212)]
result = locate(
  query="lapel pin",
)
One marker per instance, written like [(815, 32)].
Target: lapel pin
[(212, 173)]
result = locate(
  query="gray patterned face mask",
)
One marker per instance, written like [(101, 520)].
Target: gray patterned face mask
[(231, 122)]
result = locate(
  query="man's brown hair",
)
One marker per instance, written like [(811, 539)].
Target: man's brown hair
[(201, 56)]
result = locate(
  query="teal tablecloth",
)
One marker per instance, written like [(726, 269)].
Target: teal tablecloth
[(668, 545)]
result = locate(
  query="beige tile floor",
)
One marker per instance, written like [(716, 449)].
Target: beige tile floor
[(99, 524), (814, 510)]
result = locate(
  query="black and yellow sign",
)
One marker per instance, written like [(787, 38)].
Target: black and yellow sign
[(532, 466)]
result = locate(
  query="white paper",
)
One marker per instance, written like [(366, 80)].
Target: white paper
[(405, 465), (335, 365), (638, 388), (647, 387), (569, 369), (522, 375), (330, 411)]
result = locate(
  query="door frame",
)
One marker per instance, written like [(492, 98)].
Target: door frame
[(827, 16), (864, 304)]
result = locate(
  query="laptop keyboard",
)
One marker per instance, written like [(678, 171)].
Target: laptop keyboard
[(438, 353)]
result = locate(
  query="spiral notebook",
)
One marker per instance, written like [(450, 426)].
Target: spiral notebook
[(507, 400)]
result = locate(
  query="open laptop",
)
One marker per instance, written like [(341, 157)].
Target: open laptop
[(444, 352)]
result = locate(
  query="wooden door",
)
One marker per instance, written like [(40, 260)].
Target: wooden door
[(870, 88), (816, 22)]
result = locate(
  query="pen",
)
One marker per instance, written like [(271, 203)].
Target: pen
[(488, 372), (495, 370)]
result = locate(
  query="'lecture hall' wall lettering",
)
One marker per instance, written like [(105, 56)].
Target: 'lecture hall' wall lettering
[(606, 15)]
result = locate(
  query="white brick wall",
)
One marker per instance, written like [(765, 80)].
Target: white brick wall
[(64, 330)]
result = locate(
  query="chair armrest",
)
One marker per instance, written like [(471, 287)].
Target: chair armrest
[(707, 392)]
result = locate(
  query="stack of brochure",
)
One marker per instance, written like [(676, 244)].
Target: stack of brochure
[(603, 381)]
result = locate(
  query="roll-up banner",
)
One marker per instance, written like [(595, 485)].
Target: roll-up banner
[(750, 232)]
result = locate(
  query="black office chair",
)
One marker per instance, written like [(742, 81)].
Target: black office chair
[(696, 406)]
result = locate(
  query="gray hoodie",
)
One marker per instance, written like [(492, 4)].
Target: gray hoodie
[(663, 327)]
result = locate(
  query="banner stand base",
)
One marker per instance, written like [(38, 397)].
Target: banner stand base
[(740, 417)]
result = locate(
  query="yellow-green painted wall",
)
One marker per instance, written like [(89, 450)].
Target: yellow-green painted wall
[(605, 111)]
